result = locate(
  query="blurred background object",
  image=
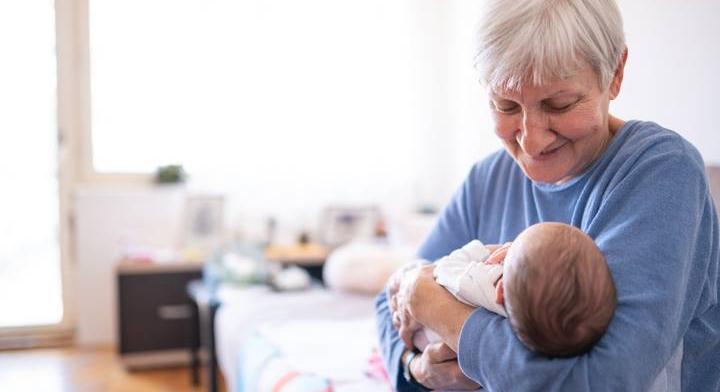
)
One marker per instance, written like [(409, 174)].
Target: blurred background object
[(170, 174)]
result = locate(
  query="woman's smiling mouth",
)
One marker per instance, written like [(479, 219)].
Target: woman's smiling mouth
[(549, 153)]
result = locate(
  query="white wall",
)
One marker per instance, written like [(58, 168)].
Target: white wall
[(107, 220), (673, 72)]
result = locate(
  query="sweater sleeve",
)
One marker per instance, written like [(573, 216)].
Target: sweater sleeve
[(654, 227)]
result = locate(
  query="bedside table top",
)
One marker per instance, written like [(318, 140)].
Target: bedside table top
[(134, 267), (306, 254)]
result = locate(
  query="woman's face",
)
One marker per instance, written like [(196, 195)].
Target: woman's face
[(557, 130)]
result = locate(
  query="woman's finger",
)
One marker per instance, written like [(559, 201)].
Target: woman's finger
[(440, 352), (393, 302), (407, 337), (407, 330), (444, 375)]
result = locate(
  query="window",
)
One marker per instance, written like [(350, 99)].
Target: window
[(30, 270), (287, 96)]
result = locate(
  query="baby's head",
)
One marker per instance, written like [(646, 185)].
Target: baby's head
[(558, 290)]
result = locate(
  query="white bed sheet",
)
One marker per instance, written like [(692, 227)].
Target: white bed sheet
[(335, 329)]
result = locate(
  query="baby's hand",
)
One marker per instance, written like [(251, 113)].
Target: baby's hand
[(498, 256), (499, 292)]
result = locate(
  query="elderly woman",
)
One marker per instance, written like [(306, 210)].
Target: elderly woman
[(551, 69)]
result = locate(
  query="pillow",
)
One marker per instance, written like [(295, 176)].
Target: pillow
[(364, 267)]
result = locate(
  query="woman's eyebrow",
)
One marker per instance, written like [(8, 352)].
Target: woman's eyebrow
[(500, 97)]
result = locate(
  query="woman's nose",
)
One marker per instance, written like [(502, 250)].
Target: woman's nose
[(535, 135)]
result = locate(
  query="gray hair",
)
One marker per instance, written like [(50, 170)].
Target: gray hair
[(535, 41)]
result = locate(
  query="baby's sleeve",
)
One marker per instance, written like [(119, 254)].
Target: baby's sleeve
[(465, 274), (477, 286)]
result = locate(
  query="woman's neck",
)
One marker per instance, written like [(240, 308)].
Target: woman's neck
[(614, 125)]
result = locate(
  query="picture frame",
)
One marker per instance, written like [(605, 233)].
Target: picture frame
[(342, 224), (203, 223)]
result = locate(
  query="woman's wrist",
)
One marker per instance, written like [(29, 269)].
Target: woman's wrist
[(409, 367), (446, 317)]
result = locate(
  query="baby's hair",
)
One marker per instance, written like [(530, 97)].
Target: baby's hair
[(559, 292)]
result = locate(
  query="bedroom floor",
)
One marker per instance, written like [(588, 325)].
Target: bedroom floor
[(85, 370)]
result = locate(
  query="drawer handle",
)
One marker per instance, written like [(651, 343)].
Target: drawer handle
[(174, 312)]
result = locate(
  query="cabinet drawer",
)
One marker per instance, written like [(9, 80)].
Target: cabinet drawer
[(155, 311)]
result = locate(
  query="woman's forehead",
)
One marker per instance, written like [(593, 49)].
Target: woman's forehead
[(544, 93), (580, 82)]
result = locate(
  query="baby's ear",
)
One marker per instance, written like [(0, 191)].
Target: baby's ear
[(499, 292)]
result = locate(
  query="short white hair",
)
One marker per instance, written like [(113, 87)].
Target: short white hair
[(535, 41)]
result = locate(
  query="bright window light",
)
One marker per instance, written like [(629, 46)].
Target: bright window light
[(30, 277), (276, 95)]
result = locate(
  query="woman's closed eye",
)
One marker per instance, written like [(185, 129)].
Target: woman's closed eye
[(560, 106), (504, 107)]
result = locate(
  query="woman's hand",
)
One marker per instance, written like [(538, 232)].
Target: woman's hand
[(421, 300), (414, 286), (417, 287), (401, 319), (437, 368)]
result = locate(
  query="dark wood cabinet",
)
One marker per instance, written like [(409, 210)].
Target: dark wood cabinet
[(157, 319)]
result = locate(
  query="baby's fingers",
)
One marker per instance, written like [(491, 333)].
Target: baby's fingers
[(498, 256)]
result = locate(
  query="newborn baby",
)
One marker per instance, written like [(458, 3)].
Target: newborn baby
[(554, 283)]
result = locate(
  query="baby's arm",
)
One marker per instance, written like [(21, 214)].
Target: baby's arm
[(479, 287)]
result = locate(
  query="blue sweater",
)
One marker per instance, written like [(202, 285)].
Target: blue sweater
[(647, 205)]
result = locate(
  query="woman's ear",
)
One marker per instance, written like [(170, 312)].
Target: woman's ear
[(617, 80), (499, 292)]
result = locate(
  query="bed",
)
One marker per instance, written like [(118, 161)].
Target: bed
[(311, 341)]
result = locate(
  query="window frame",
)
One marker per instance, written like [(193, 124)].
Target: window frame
[(75, 166)]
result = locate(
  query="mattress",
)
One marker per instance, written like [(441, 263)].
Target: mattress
[(319, 338)]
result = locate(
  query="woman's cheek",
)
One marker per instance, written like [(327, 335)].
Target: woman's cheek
[(578, 124), (504, 128)]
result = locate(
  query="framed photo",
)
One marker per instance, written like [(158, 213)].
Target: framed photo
[(339, 225), (203, 224)]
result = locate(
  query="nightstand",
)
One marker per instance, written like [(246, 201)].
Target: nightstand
[(156, 320)]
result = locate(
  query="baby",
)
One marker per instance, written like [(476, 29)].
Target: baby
[(554, 283)]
